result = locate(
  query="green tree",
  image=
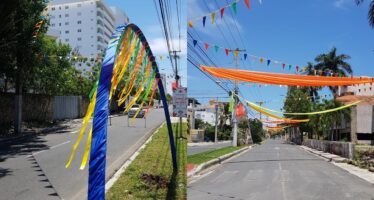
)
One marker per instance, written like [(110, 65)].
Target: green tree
[(335, 64), (313, 91), (370, 12)]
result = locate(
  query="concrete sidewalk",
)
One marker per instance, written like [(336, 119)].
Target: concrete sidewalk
[(341, 163)]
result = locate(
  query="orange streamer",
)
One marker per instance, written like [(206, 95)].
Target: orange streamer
[(283, 79)]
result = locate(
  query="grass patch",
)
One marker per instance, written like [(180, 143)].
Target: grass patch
[(150, 175), (209, 155)]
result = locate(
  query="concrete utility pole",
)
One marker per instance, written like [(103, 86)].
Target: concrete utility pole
[(177, 80), (260, 104), (235, 120), (216, 128)]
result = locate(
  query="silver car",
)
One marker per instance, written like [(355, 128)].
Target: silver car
[(135, 109)]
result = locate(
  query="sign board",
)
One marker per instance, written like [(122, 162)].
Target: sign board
[(180, 102)]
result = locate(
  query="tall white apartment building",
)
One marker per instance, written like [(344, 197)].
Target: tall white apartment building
[(86, 25)]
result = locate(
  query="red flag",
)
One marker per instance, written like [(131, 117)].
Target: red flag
[(247, 4), (283, 65), (222, 11), (240, 110), (206, 45), (174, 85), (227, 51), (297, 68)]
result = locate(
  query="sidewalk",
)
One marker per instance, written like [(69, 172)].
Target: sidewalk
[(191, 144), (61, 125), (340, 162)]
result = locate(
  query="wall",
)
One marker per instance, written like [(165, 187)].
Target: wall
[(344, 149), (38, 107)]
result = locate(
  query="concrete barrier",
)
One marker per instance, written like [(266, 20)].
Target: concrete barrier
[(344, 149)]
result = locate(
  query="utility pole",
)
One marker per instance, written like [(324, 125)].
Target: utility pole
[(260, 104), (178, 82), (216, 128), (235, 120)]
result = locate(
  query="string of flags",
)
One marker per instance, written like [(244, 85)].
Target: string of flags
[(221, 11), (262, 60)]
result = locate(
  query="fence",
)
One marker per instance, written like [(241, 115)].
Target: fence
[(344, 149)]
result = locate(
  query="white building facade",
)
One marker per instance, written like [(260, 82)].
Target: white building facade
[(86, 25)]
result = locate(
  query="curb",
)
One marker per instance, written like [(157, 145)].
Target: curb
[(24, 136), (215, 161), (336, 158)]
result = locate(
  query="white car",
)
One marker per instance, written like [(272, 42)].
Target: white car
[(135, 109)]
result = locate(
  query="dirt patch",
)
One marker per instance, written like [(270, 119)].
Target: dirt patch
[(155, 180)]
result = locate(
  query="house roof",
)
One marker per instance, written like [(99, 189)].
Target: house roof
[(366, 100)]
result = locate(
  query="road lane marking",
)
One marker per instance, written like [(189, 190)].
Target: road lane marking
[(52, 147)]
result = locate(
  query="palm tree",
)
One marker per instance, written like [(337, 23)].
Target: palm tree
[(313, 91), (370, 13), (334, 64)]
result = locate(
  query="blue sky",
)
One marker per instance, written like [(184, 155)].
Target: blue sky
[(143, 14), (291, 31)]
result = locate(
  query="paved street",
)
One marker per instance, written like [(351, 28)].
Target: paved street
[(276, 170), (198, 148), (35, 167)]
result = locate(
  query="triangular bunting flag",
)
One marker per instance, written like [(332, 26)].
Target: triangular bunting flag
[(269, 62), (212, 16), (261, 60), (297, 68), (216, 48), (204, 19), (206, 45), (236, 53), (227, 51), (289, 66), (194, 43), (233, 6), (190, 24), (222, 10), (283, 65), (245, 56), (247, 4), (161, 58)]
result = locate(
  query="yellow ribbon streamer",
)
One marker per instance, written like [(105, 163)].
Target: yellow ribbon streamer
[(86, 150), (88, 115)]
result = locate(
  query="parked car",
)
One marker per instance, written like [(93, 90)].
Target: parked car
[(135, 109)]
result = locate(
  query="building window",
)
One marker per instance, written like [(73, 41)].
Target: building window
[(53, 25), (59, 24), (79, 22), (53, 8), (59, 16), (66, 23), (66, 15), (66, 7), (66, 32), (67, 40), (59, 7), (79, 30), (79, 39), (79, 5)]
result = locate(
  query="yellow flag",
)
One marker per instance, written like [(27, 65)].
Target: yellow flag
[(161, 58), (261, 60), (190, 24), (236, 53), (213, 15)]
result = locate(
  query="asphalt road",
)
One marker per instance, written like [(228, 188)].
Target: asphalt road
[(34, 168), (276, 170), (198, 148)]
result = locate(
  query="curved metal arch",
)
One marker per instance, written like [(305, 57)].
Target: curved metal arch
[(96, 180)]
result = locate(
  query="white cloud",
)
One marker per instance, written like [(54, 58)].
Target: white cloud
[(159, 46), (340, 4)]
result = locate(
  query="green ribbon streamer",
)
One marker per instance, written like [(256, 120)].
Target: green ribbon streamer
[(231, 105), (308, 113)]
